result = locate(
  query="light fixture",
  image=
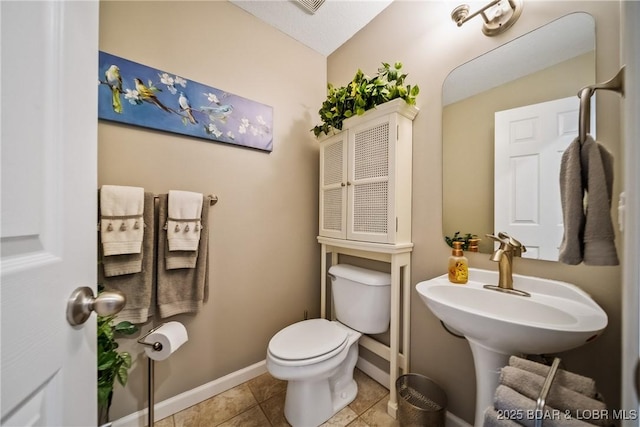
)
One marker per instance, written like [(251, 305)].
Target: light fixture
[(498, 15)]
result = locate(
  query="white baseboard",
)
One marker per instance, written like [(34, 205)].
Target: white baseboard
[(379, 375), (206, 391), (192, 397)]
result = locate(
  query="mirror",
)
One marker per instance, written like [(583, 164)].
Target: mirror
[(552, 62)]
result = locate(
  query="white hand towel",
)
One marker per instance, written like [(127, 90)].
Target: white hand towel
[(183, 224), (121, 223)]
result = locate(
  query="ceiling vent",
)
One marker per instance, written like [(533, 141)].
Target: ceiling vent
[(310, 6)]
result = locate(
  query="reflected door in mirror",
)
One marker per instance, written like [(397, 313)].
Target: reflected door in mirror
[(529, 142)]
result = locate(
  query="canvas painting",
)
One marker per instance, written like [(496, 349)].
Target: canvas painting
[(138, 95)]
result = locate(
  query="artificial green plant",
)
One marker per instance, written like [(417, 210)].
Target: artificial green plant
[(363, 93), (112, 364), (458, 238)]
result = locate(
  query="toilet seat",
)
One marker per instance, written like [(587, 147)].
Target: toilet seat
[(308, 342)]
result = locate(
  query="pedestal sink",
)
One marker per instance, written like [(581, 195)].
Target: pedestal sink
[(556, 317)]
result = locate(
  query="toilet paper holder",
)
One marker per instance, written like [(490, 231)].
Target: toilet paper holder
[(157, 346)]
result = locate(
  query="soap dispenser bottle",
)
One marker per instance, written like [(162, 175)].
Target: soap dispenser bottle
[(458, 265)]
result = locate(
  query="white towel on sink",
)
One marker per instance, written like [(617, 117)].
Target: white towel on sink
[(183, 223)]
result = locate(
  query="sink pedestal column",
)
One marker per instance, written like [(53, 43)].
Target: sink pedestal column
[(487, 364)]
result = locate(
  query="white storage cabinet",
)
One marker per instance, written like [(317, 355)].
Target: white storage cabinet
[(365, 176), (365, 211)]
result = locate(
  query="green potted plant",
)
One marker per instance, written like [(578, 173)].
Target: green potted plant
[(469, 241), (361, 94), (112, 364)]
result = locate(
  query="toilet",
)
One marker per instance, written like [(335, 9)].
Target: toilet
[(317, 356)]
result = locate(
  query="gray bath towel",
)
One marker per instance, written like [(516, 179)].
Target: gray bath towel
[(494, 419), (586, 180), (572, 200), (597, 164), (134, 275), (181, 290), (510, 403), (179, 259), (561, 398), (575, 382)]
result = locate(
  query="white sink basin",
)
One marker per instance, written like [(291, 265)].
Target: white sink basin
[(556, 317)]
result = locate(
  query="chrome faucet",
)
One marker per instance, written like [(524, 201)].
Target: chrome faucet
[(509, 248)]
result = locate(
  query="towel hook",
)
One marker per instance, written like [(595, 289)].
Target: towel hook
[(615, 84)]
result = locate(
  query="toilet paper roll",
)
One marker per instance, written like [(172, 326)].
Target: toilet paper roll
[(171, 335)]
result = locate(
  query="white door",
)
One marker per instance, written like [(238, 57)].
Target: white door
[(529, 142), (48, 233)]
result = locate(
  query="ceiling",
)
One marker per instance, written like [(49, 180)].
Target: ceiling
[(335, 22)]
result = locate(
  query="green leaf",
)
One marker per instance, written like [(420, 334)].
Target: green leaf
[(103, 396), (361, 94), (123, 375), (112, 364)]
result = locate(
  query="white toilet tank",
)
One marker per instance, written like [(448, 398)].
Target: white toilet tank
[(362, 297)]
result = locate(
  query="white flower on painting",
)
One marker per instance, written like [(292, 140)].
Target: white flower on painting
[(260, 120), (244, 124), (167, 80), (230, 135), (211, 97), (180, 81), (214, 130), (132, 96)]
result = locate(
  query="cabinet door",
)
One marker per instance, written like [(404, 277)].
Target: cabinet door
[(370, 196), (333, 194)]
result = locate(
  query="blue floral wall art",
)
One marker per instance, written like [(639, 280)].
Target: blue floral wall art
[(138, 95)]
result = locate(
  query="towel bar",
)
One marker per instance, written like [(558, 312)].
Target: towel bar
[(546, 386), (616, 84), (213, 199)]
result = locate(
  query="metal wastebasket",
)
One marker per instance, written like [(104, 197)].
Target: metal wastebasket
[(421, 402)]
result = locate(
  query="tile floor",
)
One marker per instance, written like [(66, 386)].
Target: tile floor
[(260, 403)]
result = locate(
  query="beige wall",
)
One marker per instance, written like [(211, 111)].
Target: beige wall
[(421, 35), (264, 259), (468, 129)]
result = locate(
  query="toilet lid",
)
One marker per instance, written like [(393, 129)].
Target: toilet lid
[(307, 339)]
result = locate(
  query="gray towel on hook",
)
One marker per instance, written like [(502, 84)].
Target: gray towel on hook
[(136, 286), (181, 290), (587, 169), (572, 200), (599, 236)]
